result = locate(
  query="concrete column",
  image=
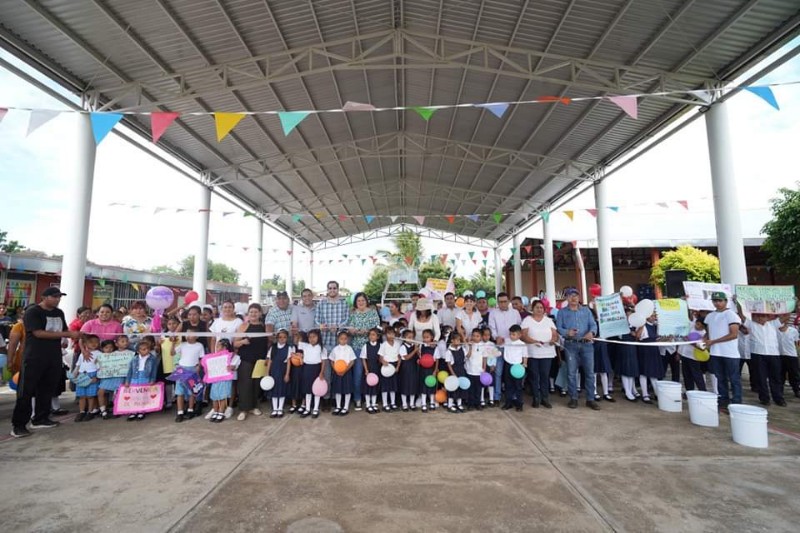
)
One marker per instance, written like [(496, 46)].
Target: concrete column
[(730, 244), (290, 270), (517, 267), (498, 273), (256, 293), (549, 265), (200, 281), (311, 271), (76, 232), (606, 263)]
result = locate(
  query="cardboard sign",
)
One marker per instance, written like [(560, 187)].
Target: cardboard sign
[(168, 361), (611, 316), (764, 299), (698, 294), (113, 365), (673, 317), (259, 369), (134, 399), (215, 366), (436, 288)]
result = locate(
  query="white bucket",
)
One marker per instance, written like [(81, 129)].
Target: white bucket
[(703, 408), (669, 396), (749, 425)]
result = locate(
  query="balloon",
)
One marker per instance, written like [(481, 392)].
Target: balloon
[(463, 383), (427, 361), (319, 387), (388, 371), (546, 303), (340, 367), (701, 355), (645, 307), (517, 371), (492, 301), (442, 375), (460, 302), (297, 360), (190, 297), (694, 336), (441, 396), (468, 293), (267, 382), (14, 383), (430, 381), (525, 301), (451, 383), (595, 289), (626, 291), (372, 379), (636, 320), (486, 379), (480, 294), (350, 299), (159, 298)]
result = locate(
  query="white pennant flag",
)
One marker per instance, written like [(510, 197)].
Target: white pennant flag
[(705, 96), (393, 218), (40, 117)]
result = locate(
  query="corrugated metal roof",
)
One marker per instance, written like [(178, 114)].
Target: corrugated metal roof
[(271, 55)]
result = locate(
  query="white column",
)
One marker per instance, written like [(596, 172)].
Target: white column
[(311, 271), (76, 233), (290, 271), (549, 265), (517, 267), (199, 281), (498, 273), (256, 293), (606, 263), (732, 265)]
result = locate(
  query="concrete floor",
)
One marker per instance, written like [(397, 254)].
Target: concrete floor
[(629, 467)]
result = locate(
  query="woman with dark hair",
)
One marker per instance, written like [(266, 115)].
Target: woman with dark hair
[(423, 318), (194, 322), (251, 349), (137, 324), (363, 318), (104, 326)]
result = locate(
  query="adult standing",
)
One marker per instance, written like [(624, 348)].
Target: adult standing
[(45, 331), (541, 336), (137, 324), (82, 316), (394, 313), (303, 313), (196, 323), (423, 318), (251, 349), (447, 314), (280, 316), (331, 315), (468, 318), (516, 303), (414, 299), (16, 344), (482, 305), (104, 326), (227, 324), (500, 320), (6, 322), (577, 325), (362, 318)]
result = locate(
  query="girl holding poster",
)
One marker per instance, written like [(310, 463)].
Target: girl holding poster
[(651, 365), (110, 383), (221, 390), (142, 370)]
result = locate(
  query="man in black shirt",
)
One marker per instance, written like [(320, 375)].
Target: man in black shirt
[(45, 328)]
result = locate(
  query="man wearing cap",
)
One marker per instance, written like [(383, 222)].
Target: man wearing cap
[(576, 324), (723, 345), (447, 314), (280, 316), (500, 321), (45, 329)]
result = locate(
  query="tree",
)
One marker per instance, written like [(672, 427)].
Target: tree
[(373, 288), (9, 247), (277, 283), (783, 232), (482, 281), (165, 269), (215, 271), (699, 265), (408, 247)]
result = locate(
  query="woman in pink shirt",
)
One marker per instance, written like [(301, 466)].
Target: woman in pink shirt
[(103, 326)]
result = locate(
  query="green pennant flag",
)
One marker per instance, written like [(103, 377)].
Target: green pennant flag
[(471, 255), (513, 250), (425, 112), (558, 244), (296, 218), (497, 217), (101, 282), (290, 119), (248, 214), (546, 216)]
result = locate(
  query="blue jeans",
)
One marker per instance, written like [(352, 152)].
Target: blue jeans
[(580, 353), (498, 376), (358, 377), (727, 370)]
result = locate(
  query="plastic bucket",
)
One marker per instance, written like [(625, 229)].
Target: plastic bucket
[(669, 396), (703, 408), (749, 425)]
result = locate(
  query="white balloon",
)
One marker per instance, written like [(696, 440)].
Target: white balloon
[(636, 320), (645, 307), (626, 291), (451, 383), (267, 382), (388, 371)]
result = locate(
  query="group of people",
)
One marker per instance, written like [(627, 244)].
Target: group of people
[(329, 354)]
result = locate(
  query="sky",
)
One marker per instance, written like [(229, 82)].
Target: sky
[(31, 177)]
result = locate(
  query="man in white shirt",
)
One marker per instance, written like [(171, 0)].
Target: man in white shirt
[(500, 321), (762, 334), (723, 332), (447, 314), (789, 337)]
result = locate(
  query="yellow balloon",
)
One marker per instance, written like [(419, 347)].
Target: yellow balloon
[(441, 376)]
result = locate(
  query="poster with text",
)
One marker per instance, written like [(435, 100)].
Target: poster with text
[(766, 299), (611, 316), (113, 365), (215, 366), (135, 399), (673, 317), (698, 294)]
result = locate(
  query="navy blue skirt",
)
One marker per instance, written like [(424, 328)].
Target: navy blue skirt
[(651, 364), (278, 371), (342, 384), (409, 377), (309, 374), (602, 362), (373, 367), (295, 381), (389, 384), (627, 360)]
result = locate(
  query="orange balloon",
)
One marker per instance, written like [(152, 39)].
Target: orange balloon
[(15, 378), (459, 302), (340, 367), (297, 360), (441, 396)]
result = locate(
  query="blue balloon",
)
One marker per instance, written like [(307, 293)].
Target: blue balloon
[(463, 383), (517, 371), (480, 294), (525, 301)]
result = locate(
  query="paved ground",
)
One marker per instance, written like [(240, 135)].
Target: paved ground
[(629, 467)]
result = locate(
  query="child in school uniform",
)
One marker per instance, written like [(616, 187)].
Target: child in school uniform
[(515, 352), (278, 367), (87, 364), (167, 360), (370, 360), (142, 369), (221, 391), (456, 364), (628, 361), (314, 357), (651, 365), (390, 355), (294, 390), (409, 369), (342, 385), (442, 359), (476, 365), (109, 385), (190, 353), (426, 394), (491, 364), (692, 371)]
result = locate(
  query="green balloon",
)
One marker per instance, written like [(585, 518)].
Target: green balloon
[(350, 299), (517, 371), (430, 381), (492, 301)]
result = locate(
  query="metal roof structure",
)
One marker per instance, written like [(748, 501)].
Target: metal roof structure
[(247, 55)]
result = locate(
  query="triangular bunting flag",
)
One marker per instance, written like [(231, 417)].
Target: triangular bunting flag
[(570, 214), (420, 220), (546, 216), (374, 259), (614, 208), (363, 261), (226, 213), (288, 252), (159, 122), (342, 218), (3, 111), (344, 255), (474, 261), (528, 249), (369, 218), (458, 255), (409, 260), (662, 204), (684, 203), (629, 104), (290, 119), (557, 99), (471, 254), (101, 282), (357, 106), (485, 252), (225, 122), (474, 218), (558, 244), (443, 258), (296, 218), (425, 112), (765, 93), (135, 286), (319, 216), (704, 96), (450, 218), (497, 110), (592, 212), (497, 217), (513, 250), (393, 218), (484, 262), (40, 117)]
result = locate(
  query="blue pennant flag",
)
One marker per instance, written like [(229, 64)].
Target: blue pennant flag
[(497, 110), (765, 93), (369, 218), (102, 124)]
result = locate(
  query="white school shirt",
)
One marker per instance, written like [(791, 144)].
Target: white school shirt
[(442, 353), (342, 353), (744, 345), (142, 361), (390, 352), (541, 331), (763, 337), (190, 354), (88, 366), (313, 354), (719, 323), (225, 327), (363, 354), (514, 351), (475, 360), (787, 341)]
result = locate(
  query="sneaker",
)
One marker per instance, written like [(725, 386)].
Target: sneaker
[(573, 404), (256, 412), (44, 424), (241, 416), (19, 432), (228, 412), (211, 414), (358, 406), (593, 406)]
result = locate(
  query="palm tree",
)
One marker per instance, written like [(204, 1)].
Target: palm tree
[(409, 249)]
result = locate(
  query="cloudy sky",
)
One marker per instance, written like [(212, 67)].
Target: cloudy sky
[(36, 199)]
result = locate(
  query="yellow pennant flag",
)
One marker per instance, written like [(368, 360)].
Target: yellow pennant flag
[(226, 122), (570, 214), (259, 369)]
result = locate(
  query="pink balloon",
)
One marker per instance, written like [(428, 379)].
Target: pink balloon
[(372, 379), (319, 387), (191, 296)]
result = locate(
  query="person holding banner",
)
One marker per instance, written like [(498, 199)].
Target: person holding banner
[(723, 331), (576, 325)]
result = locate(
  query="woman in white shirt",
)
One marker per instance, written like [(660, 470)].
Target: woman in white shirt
[(227, 324), (468, 318), (541, 335), (762, 332), (423, 318)]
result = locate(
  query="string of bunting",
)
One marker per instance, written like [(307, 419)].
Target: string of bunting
[(225, 122)]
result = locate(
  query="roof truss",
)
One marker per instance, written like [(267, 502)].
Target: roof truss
[(394, 229)]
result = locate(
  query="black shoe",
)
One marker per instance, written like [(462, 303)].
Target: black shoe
[(563, 393), (546, 404), (80, 417), (609, 398), (131, 418), (593, 406), (91, 415), (44, 424), (19, 432), (189, 414), (647, 400), (59, 412), (781, 403), (506, 406), (573, 404), (105, 415), (764, 402), (140, 416), (535, 404), (344, 412), (519, 407), (405, 409), (179, 418)]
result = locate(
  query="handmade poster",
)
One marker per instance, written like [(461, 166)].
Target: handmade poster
[(769, 300), (673, 317), (215, 367), (169, 362), (190, 377), (698, 294), (259, 369), (435, 288), (134, 399), (113, 365), (611, 316)]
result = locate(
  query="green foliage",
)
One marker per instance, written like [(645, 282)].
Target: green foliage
[(373, 288), (407, 245), (699, 265), (215, 271), (783, 232), (482, 281), (9, 247), (277, 283)]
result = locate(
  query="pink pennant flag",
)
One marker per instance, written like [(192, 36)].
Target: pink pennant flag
[(342, 218), (419, 219), (159, 122), (3, 111), (629, 104), (528, 249), (450, 218), (357, 106), (684, 203), (485, 252), (289, 252), (592, 212)]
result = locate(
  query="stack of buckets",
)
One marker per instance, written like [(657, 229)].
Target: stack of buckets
[(748, 423)]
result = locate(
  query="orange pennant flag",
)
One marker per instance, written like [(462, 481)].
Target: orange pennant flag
[(570, 214), (451, 218), (225, 122)]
